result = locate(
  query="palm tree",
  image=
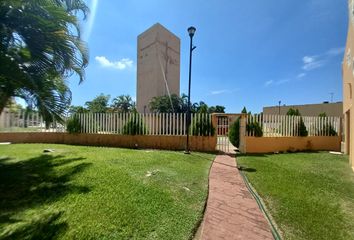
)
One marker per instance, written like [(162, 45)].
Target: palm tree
[(40, 46), (123, 103)]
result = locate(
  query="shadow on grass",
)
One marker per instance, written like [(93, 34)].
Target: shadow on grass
[(45, 227), (31, 183), (246, 169)]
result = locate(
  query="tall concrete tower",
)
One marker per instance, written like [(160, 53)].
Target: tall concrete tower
[(158, 68)]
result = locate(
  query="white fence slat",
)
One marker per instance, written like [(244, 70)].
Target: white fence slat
[(86, 117), (163, 124), (173, 124), (159, 120), (148, 128), (154, 124), (106, 123)]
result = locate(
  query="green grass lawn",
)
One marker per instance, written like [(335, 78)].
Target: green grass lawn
[(100, 193), (309, 195)]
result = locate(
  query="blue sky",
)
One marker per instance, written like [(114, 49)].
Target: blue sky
[(249, 53)]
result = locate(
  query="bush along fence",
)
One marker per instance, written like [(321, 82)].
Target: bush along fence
[(260, 125), (274, 133), (144, 124), (174, 124)]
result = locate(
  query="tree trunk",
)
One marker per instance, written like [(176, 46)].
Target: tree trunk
[(3, 101)]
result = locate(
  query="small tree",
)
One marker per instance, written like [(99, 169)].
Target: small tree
[(73, 125), (302, 129), (234, 133), (254, 128), (327, 129), (123, 103), (167, 104), (134, 126), (301, 125), (216, 109), (293, 112), (203, 126), (99, 104)]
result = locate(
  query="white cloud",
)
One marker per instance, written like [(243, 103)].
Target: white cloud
[(308, 59), (267, 83), (122, 64), (218, 92), (279, 82), (335, 51), (317, 61), (282, 81), (311, 62), (301, 75)]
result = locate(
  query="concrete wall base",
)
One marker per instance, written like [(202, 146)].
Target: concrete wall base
[(277, 144), (197, 143)]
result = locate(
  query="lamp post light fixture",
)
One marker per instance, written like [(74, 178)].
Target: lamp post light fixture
[(191, 31)]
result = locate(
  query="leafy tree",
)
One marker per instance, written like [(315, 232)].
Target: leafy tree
[(166, 104), (200, 107), (73, 125), (234, 133), (77, 109), (301, 125), (322, 114), (162, 104), (255, 129), (293, 112), (13, 106), (134, 126), (40, 46), (327, 129), (217, 109), (302, 129), (202, 126), (123, 103), (99, 104), (252, 127)]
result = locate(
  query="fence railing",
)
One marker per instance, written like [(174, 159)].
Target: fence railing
[(145, 124), (112, 123), (289, 126), (25, 121)]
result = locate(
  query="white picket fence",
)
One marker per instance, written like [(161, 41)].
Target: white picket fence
[(20, 121), (148, 124), (288, 126), (112, 123)]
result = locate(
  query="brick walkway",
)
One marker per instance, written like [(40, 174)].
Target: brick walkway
[(232, 212)]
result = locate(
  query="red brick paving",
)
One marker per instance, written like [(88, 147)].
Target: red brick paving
[(232, 212)]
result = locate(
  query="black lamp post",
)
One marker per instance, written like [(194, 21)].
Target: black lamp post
[(279, 107), (191, 31)]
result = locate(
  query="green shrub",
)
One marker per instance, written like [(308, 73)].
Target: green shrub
[(234, 133), (202, 126), (327, 130), (302, 129), (134, 126), (254, 129), (301, 125), (73, 125)]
